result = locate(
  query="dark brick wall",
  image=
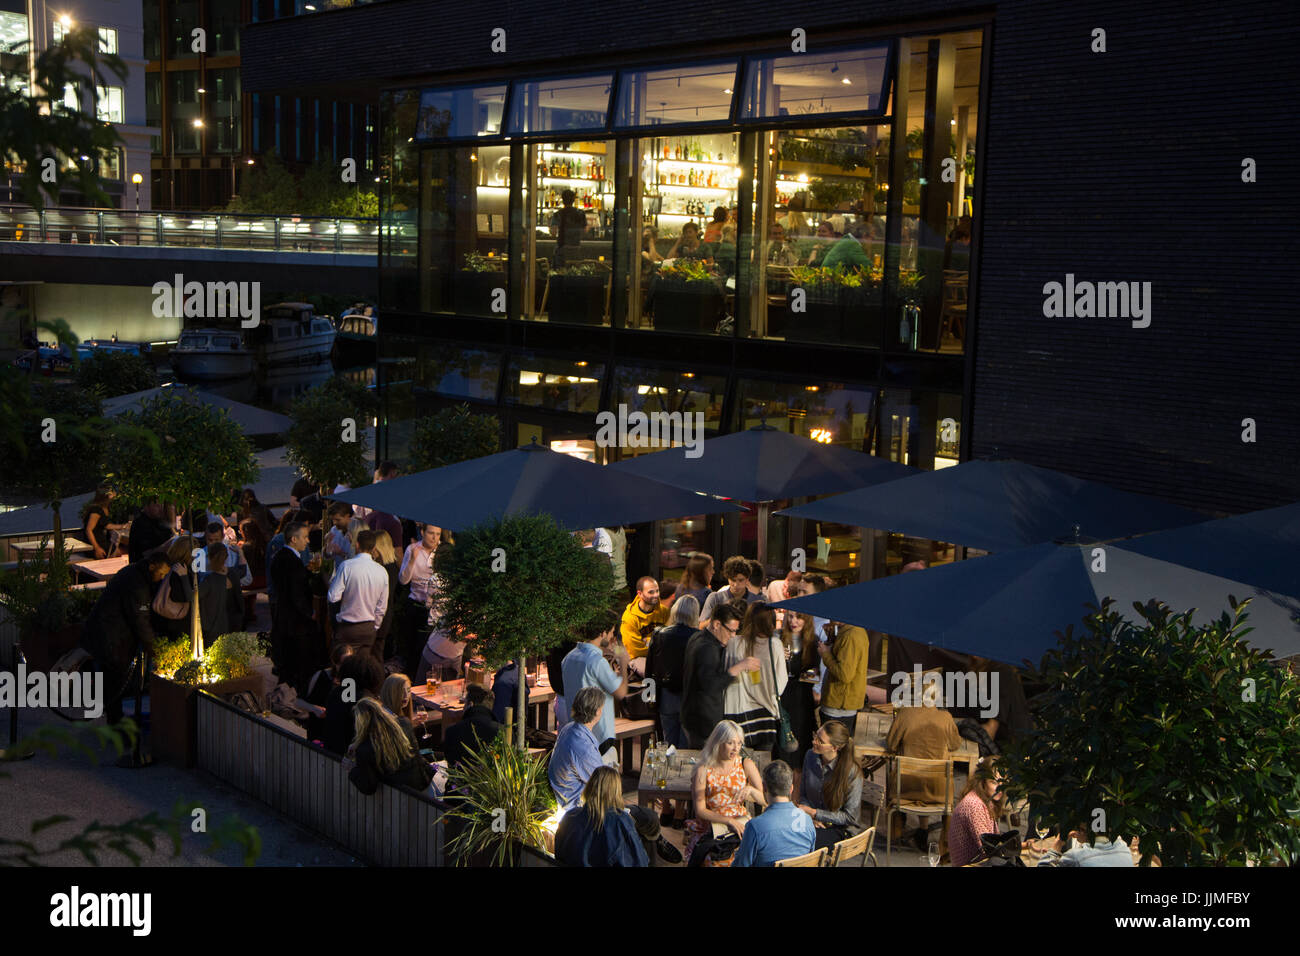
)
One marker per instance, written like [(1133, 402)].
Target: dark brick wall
[(1117, 166)]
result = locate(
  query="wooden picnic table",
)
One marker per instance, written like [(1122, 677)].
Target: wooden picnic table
[(681, 770), (873, 730), (103, 569), (70, 545), (445, 703)]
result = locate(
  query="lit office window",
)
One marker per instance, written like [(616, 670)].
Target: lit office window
[(845, 81), (108, 106), (107, 40)]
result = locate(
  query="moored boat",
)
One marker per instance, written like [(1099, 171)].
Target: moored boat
[(210, 354)]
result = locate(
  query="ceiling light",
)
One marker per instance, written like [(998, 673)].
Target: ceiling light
[(198, 124), (726, 91), (846, 81), (201, 90)]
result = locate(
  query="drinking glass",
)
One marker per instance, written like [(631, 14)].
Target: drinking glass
[(1041, 827), (756, 676), (934, 853)]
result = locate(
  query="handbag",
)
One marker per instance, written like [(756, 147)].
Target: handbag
[(1001, 849), (164, 606), (786, 741)]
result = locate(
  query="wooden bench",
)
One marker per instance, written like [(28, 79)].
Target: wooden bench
[(628, 732)]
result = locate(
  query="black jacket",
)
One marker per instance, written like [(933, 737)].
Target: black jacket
[(366, 775), (293, 598), (705, 679), (119, 622), (666, 659), (476, 728), (146, 534), (214, 603), (555, 665)]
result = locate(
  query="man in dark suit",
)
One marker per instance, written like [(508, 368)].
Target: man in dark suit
[(294, 627), (118, 627), (476, 728), (148, 531)]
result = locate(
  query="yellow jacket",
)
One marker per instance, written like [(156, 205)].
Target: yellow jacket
[(846, 671), (637, 627)]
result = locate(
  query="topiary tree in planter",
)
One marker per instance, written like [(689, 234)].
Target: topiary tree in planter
[(184, 451), (454, 435), (1179, 734), (520, 585)]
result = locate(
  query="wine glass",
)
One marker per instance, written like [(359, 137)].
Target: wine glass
[(933, 854), (1041, 827)]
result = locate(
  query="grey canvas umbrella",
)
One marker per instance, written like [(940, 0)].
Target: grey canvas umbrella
[(531, 480), (254, 421), (1009, 606), (998, 506), (765, 464)]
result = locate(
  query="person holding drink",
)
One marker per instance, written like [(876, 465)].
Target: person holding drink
[(752, 699), (724, 781)]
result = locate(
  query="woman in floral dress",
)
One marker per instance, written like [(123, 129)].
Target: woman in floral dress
[(723, 782)]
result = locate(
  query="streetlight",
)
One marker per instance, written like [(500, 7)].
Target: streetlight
[(137, 179)]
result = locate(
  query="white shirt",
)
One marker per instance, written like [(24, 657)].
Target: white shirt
[(417, 571), (234, 559), (362, 585)]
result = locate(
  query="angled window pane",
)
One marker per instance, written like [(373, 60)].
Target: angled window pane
[(460, 112), (684, 94), (458, 372), (848, 81), (561, 385), (570, 103)]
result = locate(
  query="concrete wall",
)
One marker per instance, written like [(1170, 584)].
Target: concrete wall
[(99, 311)]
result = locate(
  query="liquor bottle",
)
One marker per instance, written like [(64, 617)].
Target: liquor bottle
[(667, 155)]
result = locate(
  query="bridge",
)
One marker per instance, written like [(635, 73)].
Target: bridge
[(112, 247)]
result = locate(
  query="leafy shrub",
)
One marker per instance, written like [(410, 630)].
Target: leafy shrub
[(109, 374)]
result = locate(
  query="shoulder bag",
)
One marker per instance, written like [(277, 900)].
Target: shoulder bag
[(164, 606)]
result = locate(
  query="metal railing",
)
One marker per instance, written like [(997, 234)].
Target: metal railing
[(190, 229)]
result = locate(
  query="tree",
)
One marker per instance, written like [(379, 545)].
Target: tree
[(271, 189), (110, 374), (36, 126), (1181, 735), (454, 435), (327, 442), (520, 585), (199, 455), (58, 447)]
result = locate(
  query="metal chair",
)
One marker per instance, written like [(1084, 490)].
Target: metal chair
[(917, 766), (815, 858)]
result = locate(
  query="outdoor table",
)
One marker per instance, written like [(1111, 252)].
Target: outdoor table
[(103, 569), (873, 730), (445, 701), (70, 545), (1030, 854), (679, 779)]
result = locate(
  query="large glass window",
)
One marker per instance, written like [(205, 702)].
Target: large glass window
[(692, 94), (153, 38), (224, 108), (400, 199), (687, 208), (460, 112), (224, 15), (567, 229), (108, 104), (652, 390), (820, 274), (458, 372), (107, 40), (565, 104), (847, 81), (184, 21), (561, 385)]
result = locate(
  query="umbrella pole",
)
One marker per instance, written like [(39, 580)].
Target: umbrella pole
[(764, 511)]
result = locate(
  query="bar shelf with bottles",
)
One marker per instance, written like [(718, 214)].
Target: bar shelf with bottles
[(582, 167), (685, 178)]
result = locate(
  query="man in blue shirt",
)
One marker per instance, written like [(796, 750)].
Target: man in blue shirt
[(783, 830), (585, 666), (577, 756), (1103, 852)]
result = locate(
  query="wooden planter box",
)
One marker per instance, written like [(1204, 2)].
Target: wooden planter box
[(687, 306), (864, 316), (173, 715), (579, 300), (43, 648), (472, 291)]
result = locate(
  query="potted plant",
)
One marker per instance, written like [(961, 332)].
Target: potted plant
[(1178, 734), (821, 319), (476, 284), (577, 293), (49, 616), (862, 307), (687, 297), (227, 667), (501, 801)]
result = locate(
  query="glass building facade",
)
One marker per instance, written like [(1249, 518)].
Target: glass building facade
[(759, 237)]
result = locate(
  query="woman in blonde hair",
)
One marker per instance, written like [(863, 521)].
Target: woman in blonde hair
[(600, 833), (723, 782), (386, 555), (395, 695), (382, 752)]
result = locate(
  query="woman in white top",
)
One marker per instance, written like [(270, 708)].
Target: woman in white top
[(751, 699)]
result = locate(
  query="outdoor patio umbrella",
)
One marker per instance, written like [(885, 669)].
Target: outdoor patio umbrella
[(1261, 547), (1009, 606), (998, 506), (254, 421), (531, 480), (765, 464)]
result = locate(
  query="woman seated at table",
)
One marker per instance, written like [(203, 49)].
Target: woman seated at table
[(832, 784), (689, 246), (367, 677), (723, 782), (600, 832), (395, 694), (922, 728), (977, 812), (382, 752)]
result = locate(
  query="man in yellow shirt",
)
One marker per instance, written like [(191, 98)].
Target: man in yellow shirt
[(642, 617)]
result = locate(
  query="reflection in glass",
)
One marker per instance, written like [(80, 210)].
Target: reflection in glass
[(460, 112), (839, 82), (827, 412), (684, 94), (653, 390), (554, 384), (572, 104), (458, 372)]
